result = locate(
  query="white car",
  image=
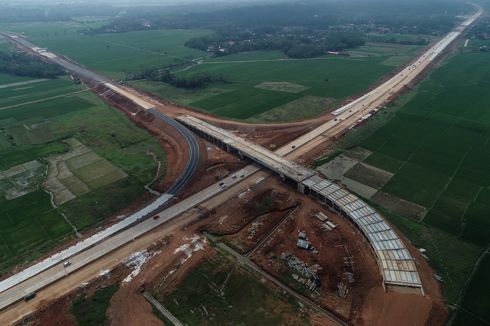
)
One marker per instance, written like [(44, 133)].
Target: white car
[(67, 263)]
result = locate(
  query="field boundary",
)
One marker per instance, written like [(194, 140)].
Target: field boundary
[(44, 99)]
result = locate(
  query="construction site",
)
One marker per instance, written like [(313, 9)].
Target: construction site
[(245, 203)]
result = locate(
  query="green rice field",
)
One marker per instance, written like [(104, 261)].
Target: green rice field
[(474, 307), (436, 141), (319, 84), (264, 86), (438, 147), (112, 54)]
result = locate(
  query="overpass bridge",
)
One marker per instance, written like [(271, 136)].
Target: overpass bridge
[(397, 266)]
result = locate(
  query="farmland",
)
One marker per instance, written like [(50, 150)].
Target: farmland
[(437, 146), (264, 86), (474, 308), (112, 55), (40, 124), (260, 82), (92, 310), (431, 150)]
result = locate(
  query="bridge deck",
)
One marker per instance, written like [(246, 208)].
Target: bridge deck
[(255, 152)]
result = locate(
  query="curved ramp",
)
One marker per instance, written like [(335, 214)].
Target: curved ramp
[(395, 262)]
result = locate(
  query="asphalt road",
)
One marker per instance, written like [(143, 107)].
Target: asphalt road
[(14, 288), (193, 161)]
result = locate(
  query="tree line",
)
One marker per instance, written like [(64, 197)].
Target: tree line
[(165, 75), (300, 44), (414, 16), (21, 64)]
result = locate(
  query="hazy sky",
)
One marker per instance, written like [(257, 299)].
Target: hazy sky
[(121, 2)]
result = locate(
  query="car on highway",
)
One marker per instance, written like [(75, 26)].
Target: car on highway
[(66, 263), (30, 296)]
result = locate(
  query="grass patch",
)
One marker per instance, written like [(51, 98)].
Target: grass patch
[(229, 295), (28, 227), (300, 109), (325, 159), (246, 103), (178, 95), (282, 87), (92, 311), (474, 307)]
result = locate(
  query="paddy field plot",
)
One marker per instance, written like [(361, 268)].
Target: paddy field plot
[(29, 226), (12, 94), (78, 171), (431, 158), (21, 179), (438, 148), (474, 307), (265, 86)]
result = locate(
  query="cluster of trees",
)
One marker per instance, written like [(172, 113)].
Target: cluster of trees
[(412, 16), (21, 64), (385, 39), (300, 29), (196, 81), (302, 43)]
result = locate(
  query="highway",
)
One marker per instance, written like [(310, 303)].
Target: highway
[(349, 115), (215, 194), (14, 288)]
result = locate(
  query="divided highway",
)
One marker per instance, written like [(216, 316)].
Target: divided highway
[(14, 289)]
